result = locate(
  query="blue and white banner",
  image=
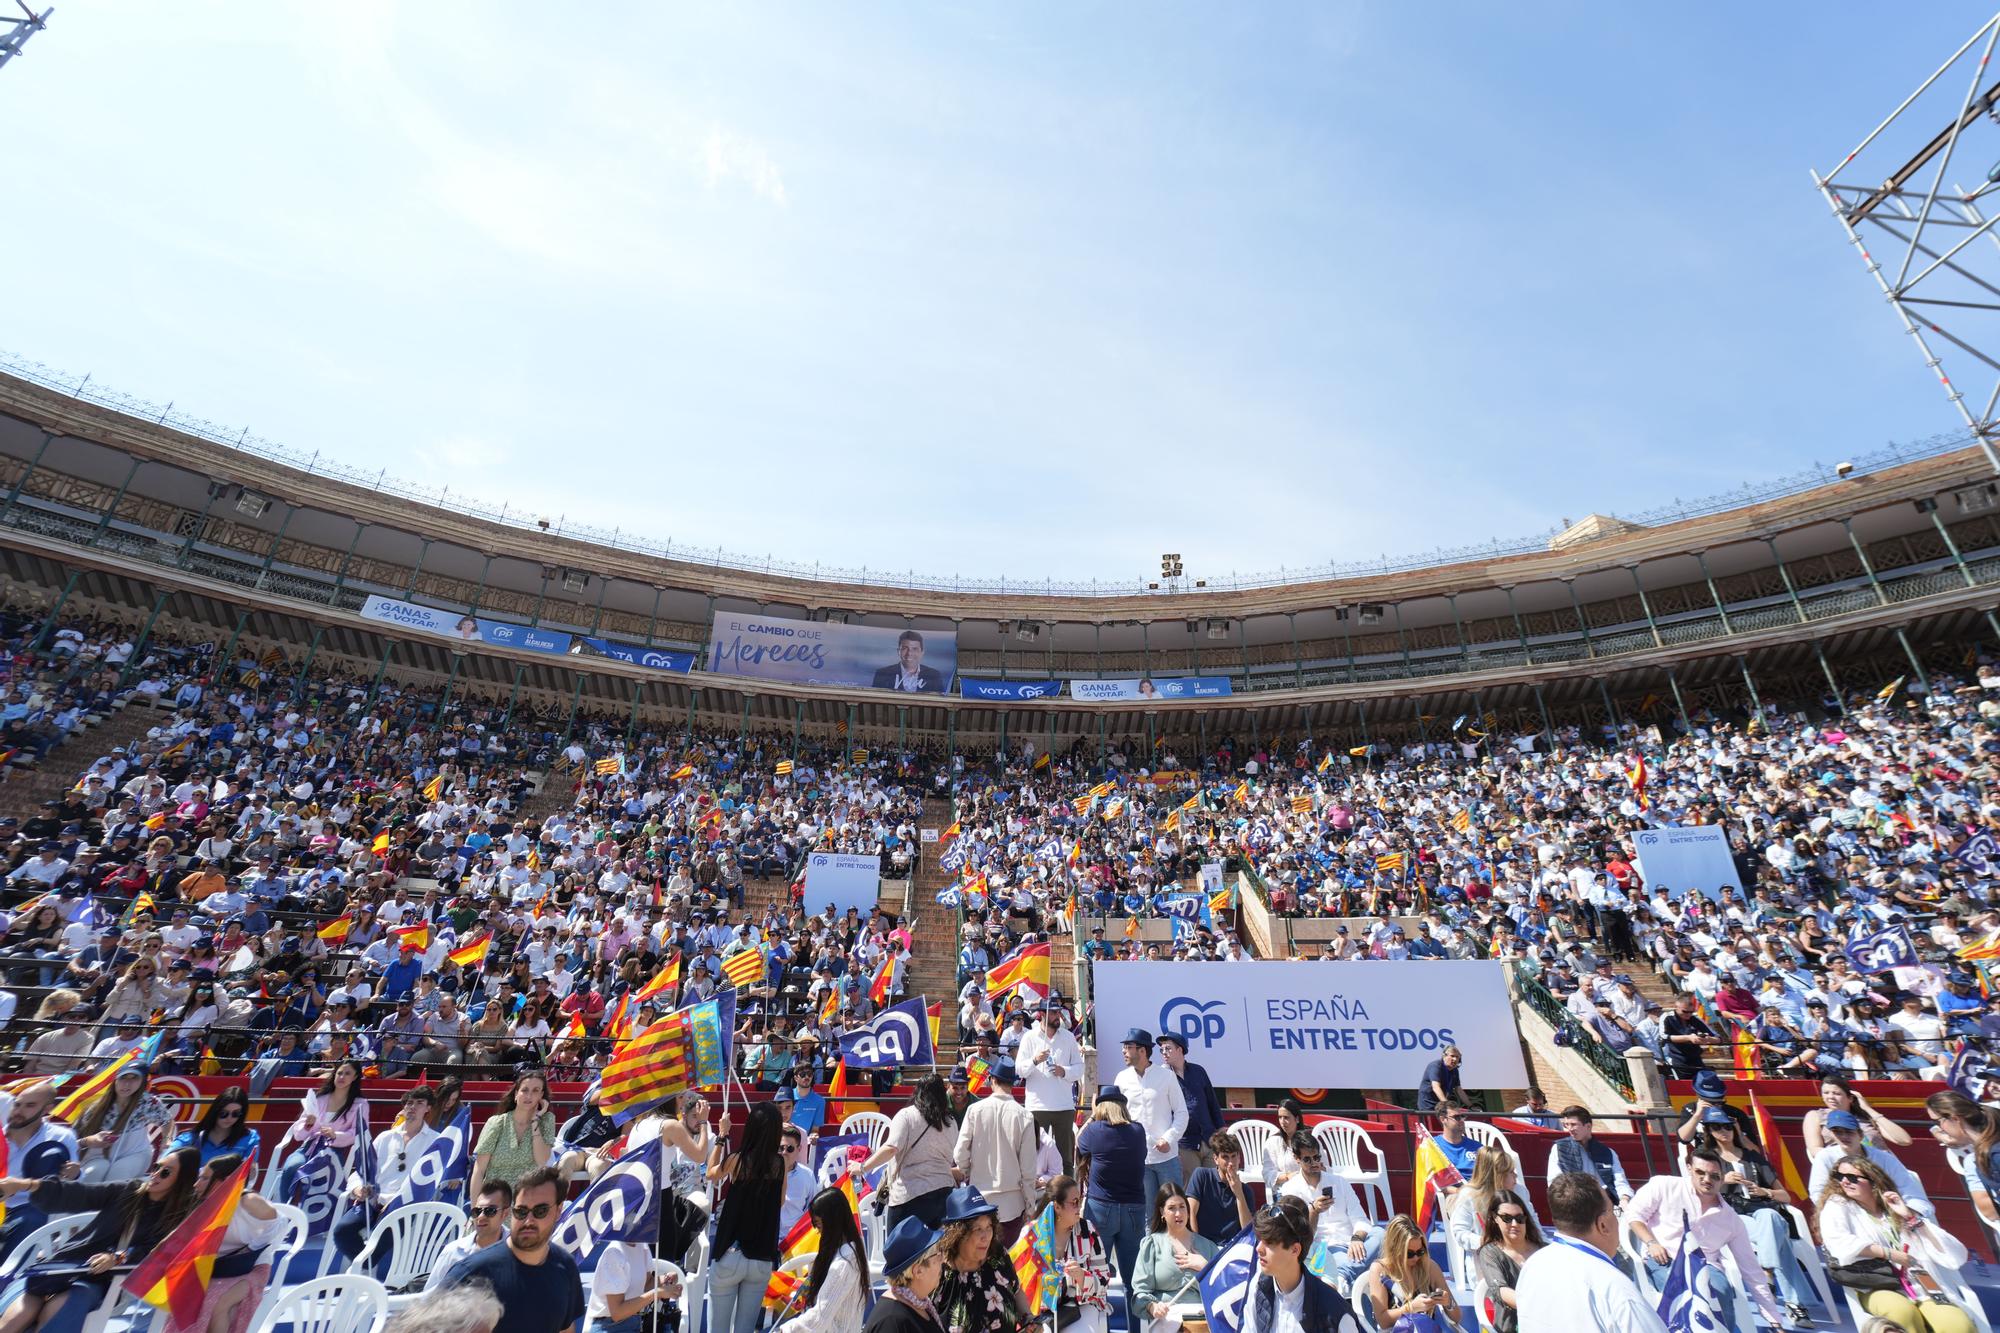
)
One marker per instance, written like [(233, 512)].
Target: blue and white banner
[(1227, 1281), (1980, 854), (657, 659), (843, 880), (462, 627), (1009, 691), (1258, 1023), (818, 652), (1681, 857), (899, 1035), (623, 1204), (439, 1174), (1684, 1300), (316, 1187), (1882, 951), (1148, 690)]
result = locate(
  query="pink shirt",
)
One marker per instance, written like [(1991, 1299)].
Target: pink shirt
[(1668, 1205)]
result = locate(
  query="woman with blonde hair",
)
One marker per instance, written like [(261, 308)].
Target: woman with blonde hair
[(1492, 1176), (139, 993), (1886, 1252), (1406, 1289)]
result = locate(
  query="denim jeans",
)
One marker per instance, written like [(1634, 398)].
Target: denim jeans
[(736, 1292), (1714, 1280), (1119, 1226), (1162, 1173), (1772, 1240), (1341, 1270)]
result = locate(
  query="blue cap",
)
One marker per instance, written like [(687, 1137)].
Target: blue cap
[(1842, 1120)]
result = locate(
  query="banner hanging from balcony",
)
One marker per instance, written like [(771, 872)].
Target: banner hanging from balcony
[(1269, 1024), (464, 628), (659, 659), (1148, 690), (815, 652), (1009, 691)]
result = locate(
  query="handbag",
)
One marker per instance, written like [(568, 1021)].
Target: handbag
[(1866, 1275)]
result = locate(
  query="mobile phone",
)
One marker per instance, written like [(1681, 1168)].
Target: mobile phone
[(1326, 1191)]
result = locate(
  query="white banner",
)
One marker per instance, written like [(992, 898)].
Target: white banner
[(1269, 1024), (843, 880), (1678, 859)]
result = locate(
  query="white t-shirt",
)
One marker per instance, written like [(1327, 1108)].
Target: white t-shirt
[(623, 1270)]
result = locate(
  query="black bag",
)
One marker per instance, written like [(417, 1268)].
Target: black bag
[(1866, 1275), (681, 1221)]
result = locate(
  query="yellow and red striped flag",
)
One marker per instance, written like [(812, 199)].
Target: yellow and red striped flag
[(413, 937), (473, 952), (878, 985), (1433, 1174), (664, 980), (1027, 968), (575, 1031), (1302, 805), (648, 1069), (336, 930), (829, 1008), (434, 788), (978, 1075), (72, 1106), (381, 843), (605, 767), (744, 969), (783, 1288), (1392, 863), (175, 1275), (684, 771), (784, 768)]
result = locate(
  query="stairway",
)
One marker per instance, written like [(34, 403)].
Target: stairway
[(1655, 986), (933, 970), (25, 787)]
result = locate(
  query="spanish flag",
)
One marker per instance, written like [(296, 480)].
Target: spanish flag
[(684, 771), (1744, 1048), (664, 980), (1888, 691), (1027, 969), (1433, 1173), (1359, 752), (336, 930), (830, 1006), (175, 1275), (381, 843), (473, 952), (1042, 759), (575, 1031), (949, 833), (413, 937), (878, 985), (935, 1012), (1776, 1151)]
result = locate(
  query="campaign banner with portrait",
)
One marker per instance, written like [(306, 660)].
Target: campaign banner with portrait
[(465, 628), (815, 652), (1009, 691), (1678, 858), (843, 880), (1149, 689), (1264, 1024)]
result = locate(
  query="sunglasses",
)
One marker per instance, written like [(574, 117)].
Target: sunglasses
[(1510, 1219), (163, 1170), (1849, 1178), (1417, 1253), (231, 1113), (522, 1212), (484, 1210)]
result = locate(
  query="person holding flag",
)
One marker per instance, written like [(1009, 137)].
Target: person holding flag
[(128, 1218), (382, 1176), (238, 1233)]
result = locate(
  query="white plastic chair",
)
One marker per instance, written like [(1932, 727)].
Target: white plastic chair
[(1489, 1137), (416, 1234), (343, 1303), (1254, 1136), (872, 1123), (1478, 1304), (280, 1253), (41, 1244), (694, 1283), (1351, 1154)]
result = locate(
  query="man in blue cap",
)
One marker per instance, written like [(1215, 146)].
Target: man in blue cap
[(996, 1150)]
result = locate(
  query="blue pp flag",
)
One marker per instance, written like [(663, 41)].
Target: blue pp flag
[(1227, 1282), (623, 1204), (899, 1035), (1881, 951), (1981, 853), (316, 1186), (439, 1175), (1684, 1303)]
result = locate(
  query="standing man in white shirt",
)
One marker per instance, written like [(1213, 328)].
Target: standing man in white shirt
[(1153, 1099), (1573, 1283), (1051, 1062)]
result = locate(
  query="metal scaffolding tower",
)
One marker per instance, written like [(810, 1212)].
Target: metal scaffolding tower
[(15, 32), (1940, 258)]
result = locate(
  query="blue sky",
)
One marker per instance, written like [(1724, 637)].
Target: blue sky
[(1034, 290)]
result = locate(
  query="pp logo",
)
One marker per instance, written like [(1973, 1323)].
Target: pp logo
[(1648, 839), (893, 1041), (1191, 1021), (619, 1212)]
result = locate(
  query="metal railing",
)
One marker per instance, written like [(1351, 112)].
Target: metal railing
[(85, 388), (1607, 1062)]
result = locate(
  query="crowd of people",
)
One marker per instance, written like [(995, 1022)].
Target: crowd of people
[(299, 873)]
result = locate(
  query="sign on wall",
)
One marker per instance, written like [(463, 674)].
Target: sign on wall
[(1009, 691), (816, 652), (465, 628), (1331, 1025), (1148, 690), (843, 880), (1678, 858)]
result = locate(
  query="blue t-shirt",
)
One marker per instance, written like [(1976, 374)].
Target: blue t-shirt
[(534, 1298), (1216, 1216), (1117, 1161)]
